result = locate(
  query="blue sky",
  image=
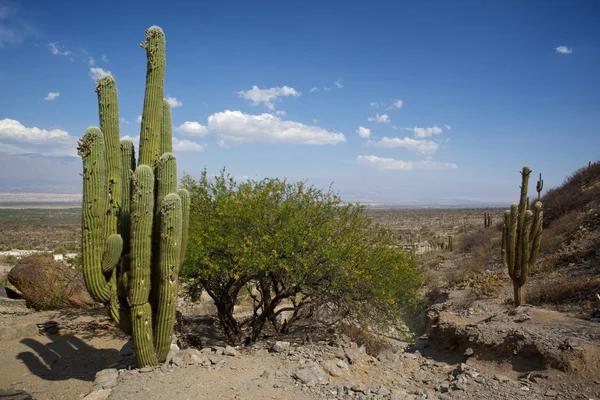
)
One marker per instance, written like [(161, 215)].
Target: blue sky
[(453, 97)]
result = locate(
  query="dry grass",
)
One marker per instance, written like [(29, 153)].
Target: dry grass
[(577, 193), (576, 290), (560, 231), (374, 344)]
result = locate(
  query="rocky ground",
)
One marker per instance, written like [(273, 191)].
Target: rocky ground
[(530, 354)]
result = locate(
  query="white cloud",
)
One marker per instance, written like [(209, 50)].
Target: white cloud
[(400, 165), (280, 113), (91, 61), (173, 102), (124, 121), (16, 138), (13, 29), (97, 73), (314, 120), (426, 132), (396, 104), (338, 84), (52, 95), (186, 145), (267, 96), (104, 58), (138, 119), (327, 89), (448, 127), (564, 50), (380, 118), (238, 127), (363, 132), (192, 128), (314, 89), (414, 145), (374, 104), (134, 139), (56, 50)]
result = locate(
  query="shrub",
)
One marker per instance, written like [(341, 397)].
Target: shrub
[(475, 240), (559, 231), (295, 244), (374, 343), (575, 193)]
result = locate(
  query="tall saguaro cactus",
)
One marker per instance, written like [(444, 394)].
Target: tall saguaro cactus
[(521, 238), (135, 220)]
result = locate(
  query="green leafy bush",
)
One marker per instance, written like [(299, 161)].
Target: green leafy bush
[(295, 246)]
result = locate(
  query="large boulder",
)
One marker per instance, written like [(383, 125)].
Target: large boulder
[(49, 284)]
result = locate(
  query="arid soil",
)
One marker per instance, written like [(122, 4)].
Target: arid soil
[(465, 355)]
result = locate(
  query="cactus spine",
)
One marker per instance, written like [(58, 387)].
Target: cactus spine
[(521, 239), (135, 220)]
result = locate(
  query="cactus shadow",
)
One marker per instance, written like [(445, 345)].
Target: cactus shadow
[(65, 357)]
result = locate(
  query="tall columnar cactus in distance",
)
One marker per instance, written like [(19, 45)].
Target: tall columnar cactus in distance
[(487, 220), (539, 186), (450, 244), (521, 239), (135, 220)]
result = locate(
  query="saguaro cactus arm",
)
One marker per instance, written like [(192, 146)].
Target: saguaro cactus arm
[(92, 151)]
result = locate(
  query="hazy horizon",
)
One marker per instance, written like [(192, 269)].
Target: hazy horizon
[(408, 103)]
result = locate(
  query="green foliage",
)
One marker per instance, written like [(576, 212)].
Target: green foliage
[(521, 238), (296, 243), (133, 218)]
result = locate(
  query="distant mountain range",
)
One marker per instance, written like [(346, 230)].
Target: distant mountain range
[(34, 173)]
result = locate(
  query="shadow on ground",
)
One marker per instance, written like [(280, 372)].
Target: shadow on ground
[(65, 357)]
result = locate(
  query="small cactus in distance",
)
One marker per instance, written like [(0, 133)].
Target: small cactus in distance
[(450, 244), (135, 220), (539, 186), (521, 239)]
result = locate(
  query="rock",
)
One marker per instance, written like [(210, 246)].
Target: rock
[(106, 379), (280, 347), (18, 331), (383, 391), (172, 351), (101, 394), (310, 375), (352, 355), (342, 364), (39, 276), (338, 352), (469, 352), (218, 350), (189, 357), (15, 395), (8, 293), (501, 378), (387, 356), (230, 351), (332, 369), (206, 350), (549, 393), (360, 388), (522, 317)]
